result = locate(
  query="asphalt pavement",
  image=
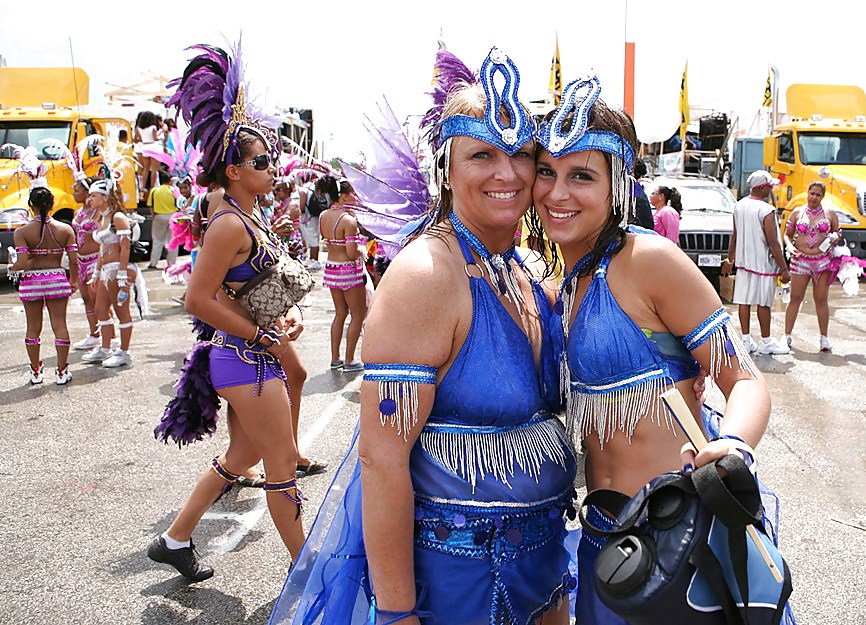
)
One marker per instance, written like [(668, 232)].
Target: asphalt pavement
[(85, 486)]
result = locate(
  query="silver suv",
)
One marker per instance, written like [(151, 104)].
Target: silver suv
[(707, 218)]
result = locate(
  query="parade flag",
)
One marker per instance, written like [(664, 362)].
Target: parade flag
[(684, 104), (555, 87), (768, 91)]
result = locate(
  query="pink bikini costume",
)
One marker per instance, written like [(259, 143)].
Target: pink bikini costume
[(342, 275), (84, 224), (41, 284), (811, 264)]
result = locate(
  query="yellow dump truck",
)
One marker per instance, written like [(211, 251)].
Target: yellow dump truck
[(42, 103), (823, 140)]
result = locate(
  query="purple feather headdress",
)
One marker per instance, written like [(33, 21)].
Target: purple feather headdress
[(211, 96), (449, 72)]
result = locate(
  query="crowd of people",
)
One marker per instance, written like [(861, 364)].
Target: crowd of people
[(453, 500)]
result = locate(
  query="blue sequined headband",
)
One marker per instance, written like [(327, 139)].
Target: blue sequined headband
[(578, 138), (490, 129)]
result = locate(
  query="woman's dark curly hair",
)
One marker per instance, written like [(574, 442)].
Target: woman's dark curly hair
[(601, 117)]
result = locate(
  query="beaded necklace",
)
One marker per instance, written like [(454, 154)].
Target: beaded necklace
[(498, 265)]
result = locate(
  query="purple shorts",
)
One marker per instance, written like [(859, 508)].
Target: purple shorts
[(236, 362), (41, 284), (343, 275)]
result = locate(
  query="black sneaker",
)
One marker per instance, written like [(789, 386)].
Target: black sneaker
[(185, 560)]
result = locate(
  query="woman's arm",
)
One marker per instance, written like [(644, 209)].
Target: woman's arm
[(121, 223), (683, 299), (21, 249), (349, 226), (72, 254), (398, 330)]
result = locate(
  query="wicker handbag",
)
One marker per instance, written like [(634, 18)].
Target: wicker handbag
[(269, 295)]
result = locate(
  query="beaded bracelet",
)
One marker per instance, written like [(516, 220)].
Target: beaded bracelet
[(273, 335)]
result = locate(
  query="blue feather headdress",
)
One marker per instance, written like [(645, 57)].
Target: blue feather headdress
[(211, 96)]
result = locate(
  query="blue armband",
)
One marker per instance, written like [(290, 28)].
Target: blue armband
[(398, 392), (724, 343)]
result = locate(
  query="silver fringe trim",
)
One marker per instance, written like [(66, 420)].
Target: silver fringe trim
[(405, 397), (719, 355), (621, 188), (474, 453), (496, 266), (618, 409)]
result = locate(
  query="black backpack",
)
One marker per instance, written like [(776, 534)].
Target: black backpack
[(316, 205)]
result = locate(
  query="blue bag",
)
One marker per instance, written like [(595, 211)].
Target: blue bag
[(678, 551)]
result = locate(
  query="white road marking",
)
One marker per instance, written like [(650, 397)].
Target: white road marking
[(244, 522)]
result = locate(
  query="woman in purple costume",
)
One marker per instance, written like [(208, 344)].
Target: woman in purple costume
[(242, 361)]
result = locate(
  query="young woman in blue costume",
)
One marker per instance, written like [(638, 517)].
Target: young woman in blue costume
[(244, 359), (635, 317), (464, 477)]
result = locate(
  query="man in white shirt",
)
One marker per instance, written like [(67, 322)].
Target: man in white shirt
[(756, 252)]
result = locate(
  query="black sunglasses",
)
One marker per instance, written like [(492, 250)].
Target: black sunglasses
[(260, 162)]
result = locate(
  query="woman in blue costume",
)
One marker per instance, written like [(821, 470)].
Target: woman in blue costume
[(463, 475), (636, 318), (242, 361)]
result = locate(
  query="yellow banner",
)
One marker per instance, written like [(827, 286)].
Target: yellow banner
[(555, 86), (684, 104), (768, 91)]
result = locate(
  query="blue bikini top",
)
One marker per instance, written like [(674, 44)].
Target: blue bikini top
[(613, 372), (494, 380), (263, 253), (606, 347)]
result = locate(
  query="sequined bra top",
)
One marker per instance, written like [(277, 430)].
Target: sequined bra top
[(84, 224), (491, 435), (263, 252), (494, 380), (616, 371)]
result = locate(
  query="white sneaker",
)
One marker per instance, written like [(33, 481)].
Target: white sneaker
[(750, 344), (825, 344), (97, 355), (62, 377), (789, 339), (314, 265), (119, 359), (36, 374), (771, 346), (87, 343)]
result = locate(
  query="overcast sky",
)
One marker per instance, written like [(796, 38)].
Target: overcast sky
[(339, 57)]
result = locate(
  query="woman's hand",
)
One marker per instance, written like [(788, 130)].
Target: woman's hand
[(714, 450), (293, 323)]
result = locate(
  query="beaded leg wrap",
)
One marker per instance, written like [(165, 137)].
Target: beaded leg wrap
[(30, 341), (284, 487), (61, 342), (227, 475)]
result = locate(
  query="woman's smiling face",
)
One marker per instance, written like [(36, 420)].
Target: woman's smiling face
[(572, 196)]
